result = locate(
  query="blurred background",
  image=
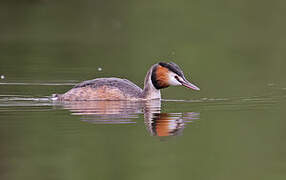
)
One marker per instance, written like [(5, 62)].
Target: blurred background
[(234, 50), (227, 48)]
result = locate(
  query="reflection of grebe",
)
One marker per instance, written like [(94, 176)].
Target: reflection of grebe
[(159, 76), (127, 112)]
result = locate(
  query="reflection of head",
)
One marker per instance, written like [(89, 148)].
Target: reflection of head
[(165, 124)]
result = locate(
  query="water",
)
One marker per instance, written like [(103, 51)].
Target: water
[(234, 128), (200, 138)]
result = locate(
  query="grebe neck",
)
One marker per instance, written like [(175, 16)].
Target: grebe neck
[(149, 91)]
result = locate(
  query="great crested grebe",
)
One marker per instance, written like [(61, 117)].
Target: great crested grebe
[(159, 76)]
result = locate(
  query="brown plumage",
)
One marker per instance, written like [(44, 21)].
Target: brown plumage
[(161, 76)]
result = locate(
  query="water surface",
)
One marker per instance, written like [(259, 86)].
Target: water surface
[(202, 138)]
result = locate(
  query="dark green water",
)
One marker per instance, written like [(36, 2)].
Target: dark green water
[(234, 128)]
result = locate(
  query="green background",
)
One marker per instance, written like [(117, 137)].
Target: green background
[(234, 50)]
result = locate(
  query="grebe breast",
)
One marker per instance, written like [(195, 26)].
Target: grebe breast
[(103, 89)]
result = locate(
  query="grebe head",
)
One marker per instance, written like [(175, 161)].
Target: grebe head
[(169, 74)]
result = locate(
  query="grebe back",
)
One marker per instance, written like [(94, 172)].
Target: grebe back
[(159, 76)]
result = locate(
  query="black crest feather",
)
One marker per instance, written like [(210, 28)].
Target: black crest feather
[(172, 67)]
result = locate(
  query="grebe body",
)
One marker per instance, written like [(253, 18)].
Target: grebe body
[(159, 76)]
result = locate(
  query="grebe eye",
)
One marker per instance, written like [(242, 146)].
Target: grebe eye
[(178, 79)]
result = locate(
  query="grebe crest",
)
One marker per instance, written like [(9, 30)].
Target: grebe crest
[(159, 76)]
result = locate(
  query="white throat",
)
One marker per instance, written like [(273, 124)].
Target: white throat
[(149, 91)]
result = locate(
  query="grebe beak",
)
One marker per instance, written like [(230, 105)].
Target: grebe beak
[(187, 84), (190, 85)]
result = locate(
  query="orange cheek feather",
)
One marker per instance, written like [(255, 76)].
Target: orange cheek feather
[(162, 76)]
